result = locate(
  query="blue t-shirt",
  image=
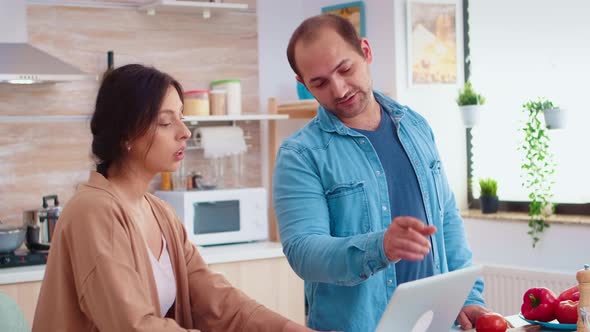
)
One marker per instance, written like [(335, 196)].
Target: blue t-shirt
[(405, 198)]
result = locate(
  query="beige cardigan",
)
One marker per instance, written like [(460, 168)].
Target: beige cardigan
[(99, 277)]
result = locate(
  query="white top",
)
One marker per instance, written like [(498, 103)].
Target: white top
[(164, 277)]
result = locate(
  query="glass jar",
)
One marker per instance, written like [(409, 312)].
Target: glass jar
[(238, 169), (179, 178), (217, 99), (196, 103), (166, 181), (211, 175), (233, 90)]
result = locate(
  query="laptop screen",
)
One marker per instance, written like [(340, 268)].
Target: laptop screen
[(430, 304)]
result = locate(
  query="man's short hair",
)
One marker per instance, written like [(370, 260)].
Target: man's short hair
[(308, 30)]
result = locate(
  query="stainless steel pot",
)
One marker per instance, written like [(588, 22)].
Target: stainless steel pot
[(40, 224), (11, 237)]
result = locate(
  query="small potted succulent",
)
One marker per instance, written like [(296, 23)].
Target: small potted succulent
[(487, 195), (470, 105)]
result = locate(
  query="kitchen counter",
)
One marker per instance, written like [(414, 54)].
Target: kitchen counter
[(241, 252), (519, 325), (211, 255), (13, 275)]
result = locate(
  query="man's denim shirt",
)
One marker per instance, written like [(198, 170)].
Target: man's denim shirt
[(331, 202)]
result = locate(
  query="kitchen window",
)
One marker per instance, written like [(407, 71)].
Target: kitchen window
[(518, 51)]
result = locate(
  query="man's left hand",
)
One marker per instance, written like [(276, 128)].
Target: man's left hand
[(469, 314)]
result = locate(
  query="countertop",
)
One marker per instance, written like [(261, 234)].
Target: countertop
[(241, 252), (519, 326), (211, 255)]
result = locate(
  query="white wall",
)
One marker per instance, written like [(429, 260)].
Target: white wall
[(276, 22), (563, 247), (437, 104), (385, 30)]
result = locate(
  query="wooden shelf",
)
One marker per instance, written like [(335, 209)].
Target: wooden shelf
[(153, 7), (305, 109), (241, 117), (190, 7), (43, 118), (188, 119)]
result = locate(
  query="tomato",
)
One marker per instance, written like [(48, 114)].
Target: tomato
[(491, 322)]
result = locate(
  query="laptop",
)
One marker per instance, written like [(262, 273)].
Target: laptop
[(430, 304)]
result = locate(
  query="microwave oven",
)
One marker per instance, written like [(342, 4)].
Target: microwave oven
[(223, 216)]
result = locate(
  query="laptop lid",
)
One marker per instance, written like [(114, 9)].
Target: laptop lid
[(430, 304)]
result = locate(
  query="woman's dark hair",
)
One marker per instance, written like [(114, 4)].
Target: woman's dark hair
[(127, 105), (309, 29)]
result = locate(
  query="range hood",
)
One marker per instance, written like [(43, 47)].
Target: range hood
[(21, 63)]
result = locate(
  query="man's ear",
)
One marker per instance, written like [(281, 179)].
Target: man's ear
[(299, 79), (367, 52)]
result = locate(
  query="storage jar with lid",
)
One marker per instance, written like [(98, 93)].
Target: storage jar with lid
[(233, 89), (196, 103), (217, 100)]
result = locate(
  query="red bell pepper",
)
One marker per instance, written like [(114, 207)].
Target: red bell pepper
[(539, 304), (567, 312), (571, 293)]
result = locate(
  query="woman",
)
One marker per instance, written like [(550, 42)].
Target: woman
[(120, 259)]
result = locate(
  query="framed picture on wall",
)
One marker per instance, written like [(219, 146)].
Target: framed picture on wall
[(352, 11), (431, 36)]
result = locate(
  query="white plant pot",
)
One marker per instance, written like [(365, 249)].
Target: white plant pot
[(470, 114), (554, 118)]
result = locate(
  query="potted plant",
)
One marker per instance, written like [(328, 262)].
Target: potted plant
[(470, 105), (487, 195), (554, 116), (538, 167)]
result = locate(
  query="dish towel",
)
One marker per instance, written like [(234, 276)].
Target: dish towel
[(222, 141)]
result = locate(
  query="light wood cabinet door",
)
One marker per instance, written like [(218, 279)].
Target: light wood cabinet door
[(25, 295), (271, 282)]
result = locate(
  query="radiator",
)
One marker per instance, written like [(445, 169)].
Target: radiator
[(505, 286)]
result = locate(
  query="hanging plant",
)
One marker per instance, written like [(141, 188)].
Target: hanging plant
[(538, 167), (470, 103)]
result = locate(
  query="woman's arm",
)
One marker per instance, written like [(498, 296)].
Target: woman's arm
[(217, 306), (98, 250)]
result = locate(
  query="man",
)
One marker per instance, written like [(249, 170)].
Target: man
[(361, 199)]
